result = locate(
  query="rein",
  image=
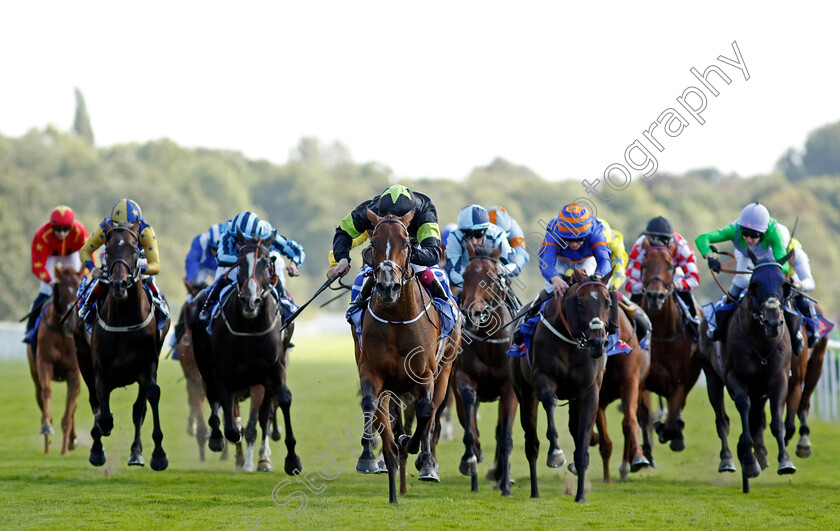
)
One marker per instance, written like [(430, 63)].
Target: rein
[(250, 334), (386, 321), (499, 301)]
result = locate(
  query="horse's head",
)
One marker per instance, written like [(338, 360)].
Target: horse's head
[(767, 293), (390, 254), (657, 275), (591, 311), (255, 277), (64, 290), (122, 247), (484, 288)]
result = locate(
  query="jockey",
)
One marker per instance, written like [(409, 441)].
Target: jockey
[(125, 211), (251, 226), (803, 282), (423, 229), (200, 262), (757, 231), (660, 233), (516, 238), (56, 241), (618, 254), (444, 236), (474, 227)]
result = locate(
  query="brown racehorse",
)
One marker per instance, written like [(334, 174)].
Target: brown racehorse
[(247, 349), (482, 373), (754, 364), (566, 361), (400, 351), (674, 363), (124, 348), (55, 359)]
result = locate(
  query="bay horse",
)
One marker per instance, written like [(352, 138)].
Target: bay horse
[(124, 347), (247, 348), (674, 363), (482, 373), (400, 351), (566, 361), (624, 378), (55, 357), (753, 364)]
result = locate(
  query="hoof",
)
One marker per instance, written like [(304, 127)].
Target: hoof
[(786, 467), (97, 459), (403, 441), (428, 473), (46, 430), (677, 445), (276, 435), (752, 470), (292, 464), (367, 466), (106, 424), (233, 436), (556, 459), (572, 468), (726, 465), (761, 457), (136, 459), (639, 463), (265, 466), (247, 467), (624, 470), (803, 447), (480, 456), (216, 445), (383, 468), (191, 428), (468, 467), (159, 463)]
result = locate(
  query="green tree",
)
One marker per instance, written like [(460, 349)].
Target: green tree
[(81, 124)]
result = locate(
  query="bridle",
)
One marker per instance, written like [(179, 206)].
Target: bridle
[(669, 287), (133, 271), (496, 296), (252, 273), (389, 267)]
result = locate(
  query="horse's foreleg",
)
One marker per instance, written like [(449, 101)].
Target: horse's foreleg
[(74, 384), (104, 418), (643, 415), (749, 465), (673, 429), (45, 375), (555, 457), (367, 463), (504, 438), (138, 416), (629, 403), (216, 441), (714, 388), (582, 414), (466, 400), (257, 395), (284, 400), (758, 422), (605, 445), (776, 391), (232, 432), (798, 369), (159, 460), (390, 449), (528, 419), (264, 464)]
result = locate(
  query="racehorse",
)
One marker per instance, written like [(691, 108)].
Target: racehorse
[(567, 361), (55, 358), (247, 348), (804, 376), (482, 373), (400, 350), (674, 363), (124, 347), (754, 362), (624, 378)]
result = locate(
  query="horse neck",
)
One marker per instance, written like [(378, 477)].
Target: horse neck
[(665, 322)]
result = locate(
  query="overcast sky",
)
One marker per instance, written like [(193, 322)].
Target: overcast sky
[(431, 88)]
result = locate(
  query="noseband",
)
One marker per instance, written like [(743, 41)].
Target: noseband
[(252, 274), (646, 282), (133, 271), (389, 266)]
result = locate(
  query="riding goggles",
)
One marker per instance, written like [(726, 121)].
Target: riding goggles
[(61, 228), (750, 233), (474, 233), (659, 240)]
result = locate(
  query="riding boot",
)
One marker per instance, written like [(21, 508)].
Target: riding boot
[(34, 312), (436, 289), (364, 295), (643, 324), (212, 298), (794, 323), (693, 320), (532, 311), (96, 289), (721, 320)]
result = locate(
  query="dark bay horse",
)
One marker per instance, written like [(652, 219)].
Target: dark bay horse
[(754, 363), (124, 348), (247, 348), (624, 378), (482, 373), (400, 351), (674, 363), (55, 359), (567, 361)]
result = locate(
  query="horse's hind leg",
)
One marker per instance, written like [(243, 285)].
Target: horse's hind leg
[(605, 446), (254, 416), (159, 460), (73, 387), (714, 388), (798, 369), (749, 465), (465, 403), (758, 422), (778, 386), (138, 415), (292, 463), (812, 376)]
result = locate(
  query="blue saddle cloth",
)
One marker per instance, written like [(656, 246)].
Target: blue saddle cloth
[(32, 336)]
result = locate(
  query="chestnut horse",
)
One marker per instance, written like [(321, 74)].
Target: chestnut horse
[(55, 358), (754, 363), (674, 363), (247, 349), (567, 361), (400, 350), (482, 373), (124, 348)]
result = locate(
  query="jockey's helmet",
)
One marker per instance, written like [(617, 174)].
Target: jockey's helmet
[(264, 229), (246, 222), (659, 226), (447, 230), (754, 216), (574, 222), (62, 216), (473, 217), (396, 200), (126, 210)]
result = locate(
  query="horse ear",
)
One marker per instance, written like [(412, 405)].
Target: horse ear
[(787, 289), (407, 218), (672, 246), (577, 276), (272, 236), (613, 324), (787, 257), (752, 256), (645, 244), (372, 217), (470, 247), (136, 227), (240, 236), (607, 277), (497, 253)]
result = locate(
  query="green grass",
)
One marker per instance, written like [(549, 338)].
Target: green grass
[(685, 491)]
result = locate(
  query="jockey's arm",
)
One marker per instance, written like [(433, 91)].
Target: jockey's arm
[(358, 240), (548, 257), (704, 241), (290, 249), (39, 258), (149, 244), (686, 261), (778, 245), (192, 263), (94, 242), (802, 267), (428, 235), (618, 258)]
